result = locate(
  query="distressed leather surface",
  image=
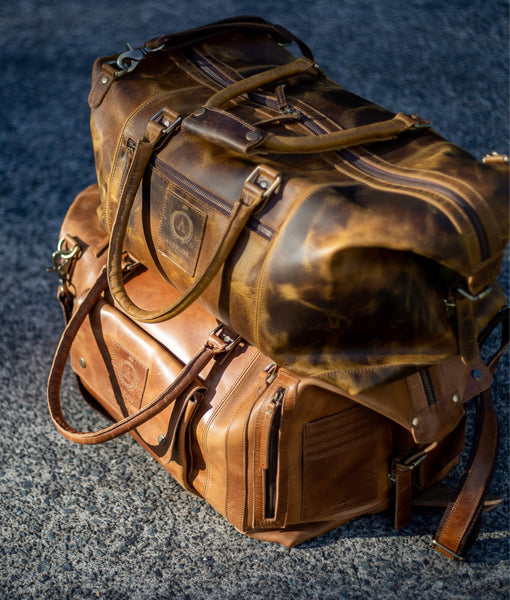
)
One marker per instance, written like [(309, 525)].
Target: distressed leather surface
[(333, 452), (346, 272)]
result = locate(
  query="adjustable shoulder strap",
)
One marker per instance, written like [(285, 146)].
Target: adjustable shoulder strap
[(461, 521)]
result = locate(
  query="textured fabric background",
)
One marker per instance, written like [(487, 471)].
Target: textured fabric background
[(108, 522)]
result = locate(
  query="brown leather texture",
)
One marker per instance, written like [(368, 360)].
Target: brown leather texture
[(282, 457), (356, 267)]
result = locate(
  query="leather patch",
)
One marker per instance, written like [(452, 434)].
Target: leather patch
[(181, 231), (131, 376)]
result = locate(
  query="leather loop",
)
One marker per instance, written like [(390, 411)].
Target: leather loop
[(186, 378)]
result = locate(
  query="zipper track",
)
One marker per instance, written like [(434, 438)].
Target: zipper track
[(428, 387), (208, 197), (358, 162), (273, 445)]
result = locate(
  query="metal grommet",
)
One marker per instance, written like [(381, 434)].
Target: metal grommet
[(477, 375), (253, 136)]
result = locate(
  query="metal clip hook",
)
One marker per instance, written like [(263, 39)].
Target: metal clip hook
[(128, 60), (61, 259)]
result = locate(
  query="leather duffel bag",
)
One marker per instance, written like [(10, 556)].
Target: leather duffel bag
[(281, 456), (345, 242)]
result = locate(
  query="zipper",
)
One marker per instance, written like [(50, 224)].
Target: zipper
[(428, 387), (208, 197), (359, 162), (274, 412)]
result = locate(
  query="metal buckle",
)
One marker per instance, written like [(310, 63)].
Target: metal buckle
[(226, 338), (405, 466), (479, 296), (450, 553), (169, 126), (257, 177)]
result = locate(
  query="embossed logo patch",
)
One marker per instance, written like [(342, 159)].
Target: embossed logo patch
[(181, 232), (131, 376)]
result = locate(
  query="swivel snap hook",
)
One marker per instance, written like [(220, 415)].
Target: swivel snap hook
[(128, 60)]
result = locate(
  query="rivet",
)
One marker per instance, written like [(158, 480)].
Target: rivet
[(456, 398), (82, 362), (199, 112), (477, 375), (415, 422), (161, 439), (264, 184), (104, 79), (253, 136)]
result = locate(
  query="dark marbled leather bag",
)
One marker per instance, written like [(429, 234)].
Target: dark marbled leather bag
[(344, 241)]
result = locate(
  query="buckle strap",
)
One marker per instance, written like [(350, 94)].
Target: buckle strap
[(461, 521)]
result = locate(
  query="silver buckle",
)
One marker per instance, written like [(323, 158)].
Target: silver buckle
[(169, 126)]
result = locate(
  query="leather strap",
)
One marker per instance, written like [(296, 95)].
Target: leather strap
[(251, 197), (233, 25), (461, 521), (202, 122), (258, 80), (213, 346)]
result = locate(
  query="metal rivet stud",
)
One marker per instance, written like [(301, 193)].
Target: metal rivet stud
[(104, 79), (253, 136), (456, 398), (199, 112), (82, 362), (161, 439), (477, 375), (415, 422)]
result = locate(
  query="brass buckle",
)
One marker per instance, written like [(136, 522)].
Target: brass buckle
[(225, 337), (264, 182)]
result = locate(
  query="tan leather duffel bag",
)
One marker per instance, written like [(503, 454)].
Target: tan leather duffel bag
[(282, 457), (344, 241)]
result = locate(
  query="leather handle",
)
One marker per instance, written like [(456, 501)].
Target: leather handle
[(251, 196), (213, 346), (233, 25), (219, 127)]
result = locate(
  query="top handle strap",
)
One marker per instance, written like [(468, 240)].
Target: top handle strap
[(233, 25)]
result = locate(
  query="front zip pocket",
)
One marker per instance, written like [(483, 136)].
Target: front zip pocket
[(266, 461), (274, 412)]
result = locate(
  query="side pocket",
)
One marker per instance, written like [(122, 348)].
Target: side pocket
[(268, 462), (345, 463)]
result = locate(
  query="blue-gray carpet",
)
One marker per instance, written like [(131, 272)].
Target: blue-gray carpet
[(107, 522)]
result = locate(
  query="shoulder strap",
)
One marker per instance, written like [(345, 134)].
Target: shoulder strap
[(461, 521)]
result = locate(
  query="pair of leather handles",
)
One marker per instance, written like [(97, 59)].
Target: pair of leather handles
[(249, 198)]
